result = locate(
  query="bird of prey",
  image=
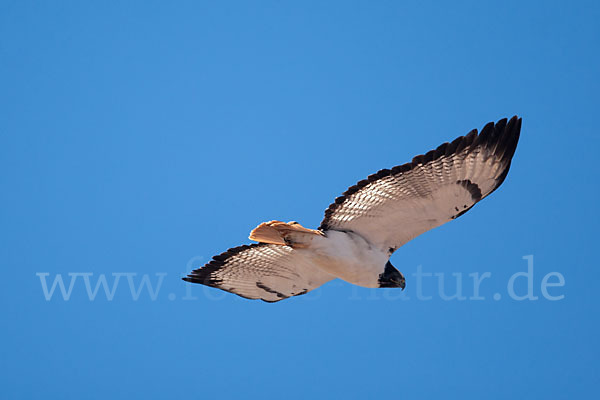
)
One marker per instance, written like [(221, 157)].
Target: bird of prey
[(368, 222)]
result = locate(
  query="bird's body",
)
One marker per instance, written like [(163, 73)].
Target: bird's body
[(348, 256), (370, 221)]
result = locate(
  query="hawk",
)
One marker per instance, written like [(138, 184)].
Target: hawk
[(368, 222)]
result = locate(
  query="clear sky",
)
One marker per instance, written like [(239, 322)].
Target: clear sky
[(138, 139)]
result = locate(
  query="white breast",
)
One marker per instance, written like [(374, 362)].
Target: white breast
[(348, 256)]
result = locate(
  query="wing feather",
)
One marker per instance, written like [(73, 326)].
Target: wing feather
[(261, 271), (395, 205)]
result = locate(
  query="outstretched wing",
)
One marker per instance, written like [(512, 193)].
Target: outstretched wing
[(261, 271), (392, 207)]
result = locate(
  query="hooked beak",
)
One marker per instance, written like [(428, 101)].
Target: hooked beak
[(401, 283)]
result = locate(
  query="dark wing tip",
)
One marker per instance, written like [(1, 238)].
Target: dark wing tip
[(506, 147), (204, 275)]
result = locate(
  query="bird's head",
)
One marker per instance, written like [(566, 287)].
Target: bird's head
[(391, 277)]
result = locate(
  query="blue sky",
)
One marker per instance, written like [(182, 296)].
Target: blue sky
[(142, 138)]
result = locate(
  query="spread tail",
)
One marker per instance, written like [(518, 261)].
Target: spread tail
[(284, 233)]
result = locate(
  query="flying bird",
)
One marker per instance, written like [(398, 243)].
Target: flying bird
[(368, 222)]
